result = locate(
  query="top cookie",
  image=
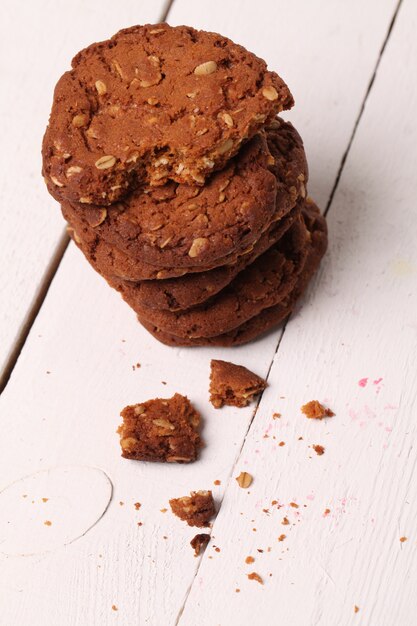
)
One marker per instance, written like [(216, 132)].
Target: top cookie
[(154, 103)]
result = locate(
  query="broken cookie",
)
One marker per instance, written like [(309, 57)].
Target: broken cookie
[(199, 543), (233, 385), (160, 430), (315, 410), (197, 509)]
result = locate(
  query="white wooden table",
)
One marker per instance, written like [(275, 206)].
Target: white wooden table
[(74, 549)]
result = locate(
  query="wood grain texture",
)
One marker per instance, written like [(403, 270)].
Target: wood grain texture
[(354, 346), (38, 40), (324, 51), (79, 368)]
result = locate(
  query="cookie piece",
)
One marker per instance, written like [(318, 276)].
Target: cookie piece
[(160, 430), (315, 410), (197, 509), (181, 227), (154, 103), (233, 384), (262, 284), (199, 543), (268, 318)]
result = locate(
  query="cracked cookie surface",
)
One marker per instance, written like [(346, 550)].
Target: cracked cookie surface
[(119, 118), (269, 317), (182, 228), (190, 290), (261, 285)]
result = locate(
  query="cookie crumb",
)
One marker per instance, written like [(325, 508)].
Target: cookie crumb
[(285, 521), (244, 480), (281, 443), (276, 416), (199, 543), (237, 590), (196, 509), (294, 505), (163, 510), (47, 523), (356, 609), (137, 505), (217, 482), (249, 559), (315, 410), (114, 607), (233, 384), (282, 537), (402, 539), (45, 499), (326, 512), (255, 576), (318, 449), (121, 503)]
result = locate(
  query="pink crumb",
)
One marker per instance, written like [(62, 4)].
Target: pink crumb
[(378, 380), (363, 382), (354, 415), (311, 496)]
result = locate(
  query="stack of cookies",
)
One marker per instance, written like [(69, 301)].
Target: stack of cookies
[(180, 184)]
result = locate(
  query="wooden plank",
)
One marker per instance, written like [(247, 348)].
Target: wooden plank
[(75, 374), (353, 345), (38, 40), (324, 50)]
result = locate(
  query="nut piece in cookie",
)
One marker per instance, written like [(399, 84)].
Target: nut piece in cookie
[(199, 543), (197, 509), (160, 430), (315, 410), (233, 384)]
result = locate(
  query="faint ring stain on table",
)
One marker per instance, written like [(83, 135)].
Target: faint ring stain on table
[(52, 508)]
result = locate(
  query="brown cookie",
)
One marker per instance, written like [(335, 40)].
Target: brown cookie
[(261, 285), (268, 318), (233, 384), (176, 294), (182, 227), (160, 430), (154, 103)]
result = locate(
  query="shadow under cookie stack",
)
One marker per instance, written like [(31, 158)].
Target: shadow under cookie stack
[(180, 184)]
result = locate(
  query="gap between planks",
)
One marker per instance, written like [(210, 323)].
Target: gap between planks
[(326, 211), (46, 281), (34, 309), (358, 119)]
